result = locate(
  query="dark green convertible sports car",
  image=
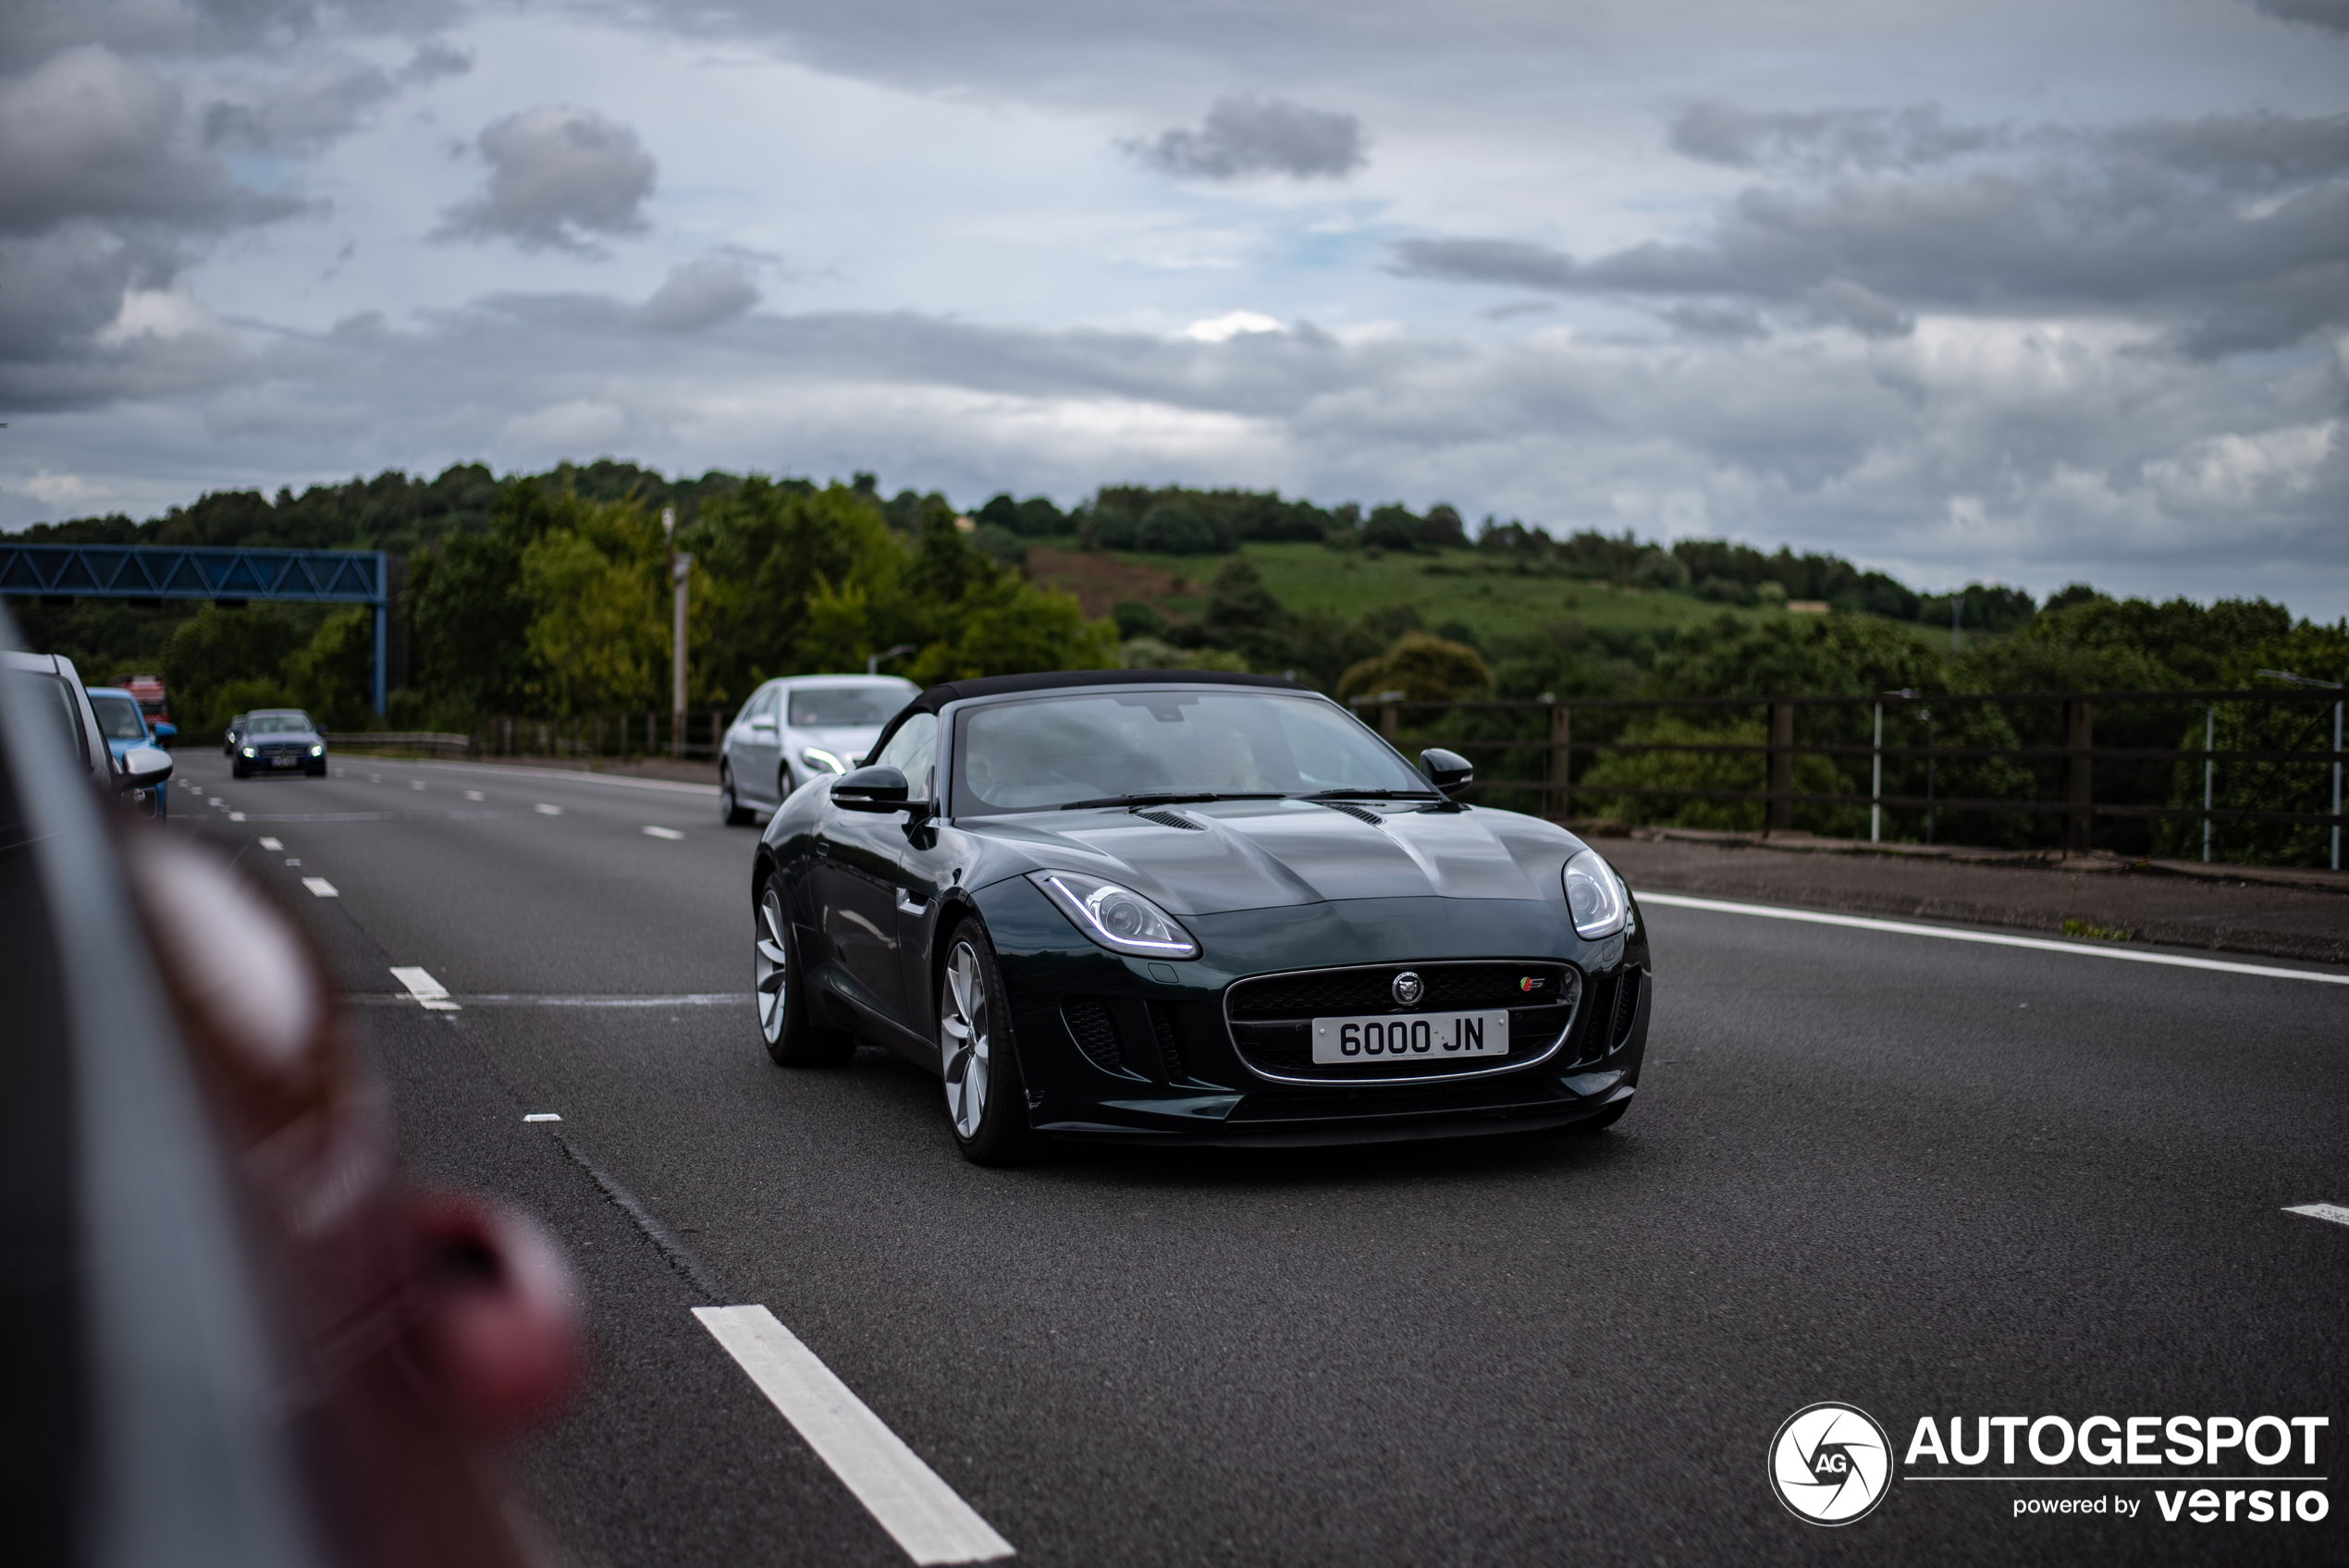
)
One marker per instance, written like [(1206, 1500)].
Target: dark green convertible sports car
[(1177, 906)]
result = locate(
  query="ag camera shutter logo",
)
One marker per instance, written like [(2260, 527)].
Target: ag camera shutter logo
[(1830, 1464)]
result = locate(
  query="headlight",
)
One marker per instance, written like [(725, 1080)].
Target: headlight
[(1595, 896), (317, 750), (248, 750), (1119, 919), (817, 757)]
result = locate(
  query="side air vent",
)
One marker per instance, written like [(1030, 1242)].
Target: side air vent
[(1168, 819), (1088, 1020), (1627, 1008), (1170, 1042), (1359, 814)]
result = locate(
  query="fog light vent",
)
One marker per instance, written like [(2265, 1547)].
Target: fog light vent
[(1096, 1035)]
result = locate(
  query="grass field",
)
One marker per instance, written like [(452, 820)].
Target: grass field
[(1453, 585)]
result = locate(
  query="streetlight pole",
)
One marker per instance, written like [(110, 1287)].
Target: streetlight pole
[(2334, 685), (681, 566), (2210, 731)]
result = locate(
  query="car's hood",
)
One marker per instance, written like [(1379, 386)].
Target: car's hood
[(1270, 853)]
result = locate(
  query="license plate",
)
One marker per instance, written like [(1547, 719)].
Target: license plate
[(1421, 1036), (284, 762)]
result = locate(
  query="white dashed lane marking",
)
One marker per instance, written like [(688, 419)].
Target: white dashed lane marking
[(542, 1116), (2331, 1211), (425, 988), (920, 1512), (415, 783), (321, 888), (546, 810), (475, 794), (236, 816), (272, 844), (662, 833)]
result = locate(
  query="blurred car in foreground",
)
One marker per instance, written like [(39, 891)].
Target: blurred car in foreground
[(1174, 906), (123, 721), (279, 740), (234, 1336), (797, 728), (50, 691)]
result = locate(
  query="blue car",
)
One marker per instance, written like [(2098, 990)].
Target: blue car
[(123, 724)]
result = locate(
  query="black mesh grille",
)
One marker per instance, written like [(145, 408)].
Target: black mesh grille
[(1627, 1007), (1170, 1042), (1088, 1020), (1168, 819), (1445, 986), (1270, 1018)]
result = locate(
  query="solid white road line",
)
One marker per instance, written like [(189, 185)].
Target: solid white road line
[(272, 844), (320, 888), (425, 988), (662, 833), (1951, 934), (920, 1510), (2331, 1211), (543, 809)]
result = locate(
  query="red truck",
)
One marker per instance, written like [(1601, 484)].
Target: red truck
[(148, 689)]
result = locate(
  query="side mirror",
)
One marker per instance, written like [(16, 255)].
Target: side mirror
[(143, 767), (871, 788), (1446, 770)]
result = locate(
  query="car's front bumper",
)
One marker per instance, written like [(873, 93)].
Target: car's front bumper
[(1177, 1078)]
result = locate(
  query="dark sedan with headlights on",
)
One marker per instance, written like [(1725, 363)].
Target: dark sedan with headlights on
[(1176, 906), (279, 740)]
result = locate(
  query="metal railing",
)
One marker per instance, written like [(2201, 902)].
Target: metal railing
[(438, 742), (1554, 764), (692, 735)]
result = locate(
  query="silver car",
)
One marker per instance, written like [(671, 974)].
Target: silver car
[(801, 728)]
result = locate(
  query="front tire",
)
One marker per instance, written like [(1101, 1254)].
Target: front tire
[(985, 1100), (730, 810), (781, 999)]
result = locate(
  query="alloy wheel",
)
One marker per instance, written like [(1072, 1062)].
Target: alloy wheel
[(771, 965), (965, 1037)]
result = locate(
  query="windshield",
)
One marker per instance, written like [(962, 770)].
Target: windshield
[(118, 716), (279, 724), (1053, 750), (821, 707)]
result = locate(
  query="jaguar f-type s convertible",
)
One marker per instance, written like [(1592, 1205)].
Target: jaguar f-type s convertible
[(1176, 906)]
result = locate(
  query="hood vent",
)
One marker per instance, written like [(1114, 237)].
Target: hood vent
[(1359, 814), (1168, 819)]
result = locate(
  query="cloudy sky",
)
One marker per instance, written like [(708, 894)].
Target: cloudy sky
[(2004, 290)]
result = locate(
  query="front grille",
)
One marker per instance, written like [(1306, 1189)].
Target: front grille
[(1271, 1017)]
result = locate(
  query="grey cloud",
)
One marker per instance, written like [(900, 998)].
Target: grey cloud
[(89, 134), (2147, 221), (1255, 136), (320, 104), (556, 171), (2330, 15), (2058, 443), (1703, 320), (700, 293), (1862, 139)]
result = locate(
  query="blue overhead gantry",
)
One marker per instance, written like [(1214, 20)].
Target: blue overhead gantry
[(148, 571)]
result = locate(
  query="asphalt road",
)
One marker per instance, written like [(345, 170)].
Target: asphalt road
[(1924, 1177)]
